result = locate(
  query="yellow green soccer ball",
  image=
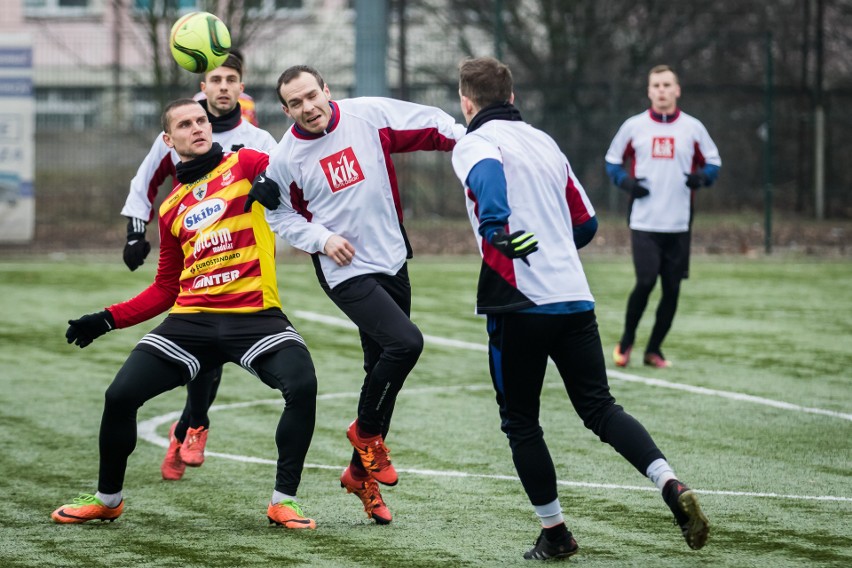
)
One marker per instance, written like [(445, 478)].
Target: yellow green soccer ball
[(200, 42)]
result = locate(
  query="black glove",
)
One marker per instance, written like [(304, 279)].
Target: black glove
[(89, 327), (264, 191), (696, 180), (517, 245), (136, 248), (634, 187)]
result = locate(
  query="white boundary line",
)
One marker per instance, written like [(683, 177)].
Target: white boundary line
[(147, 431), (444, 342)]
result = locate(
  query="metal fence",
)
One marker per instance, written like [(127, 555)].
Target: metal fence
[(85, 158)]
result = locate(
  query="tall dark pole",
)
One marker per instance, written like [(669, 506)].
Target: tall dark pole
[(498, 29), (819, 121), (767, 149), (402, 49)]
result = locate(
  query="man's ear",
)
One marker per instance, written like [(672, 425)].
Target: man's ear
[(168, 140), (512, 98), (286, 111), (467, 105)]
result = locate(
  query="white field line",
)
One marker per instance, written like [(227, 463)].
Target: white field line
[(444, 342), (147, 431)]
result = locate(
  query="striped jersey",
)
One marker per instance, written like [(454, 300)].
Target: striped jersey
[(213, 257), (662, 153), (544, 198), (161, 161), (342, 181)]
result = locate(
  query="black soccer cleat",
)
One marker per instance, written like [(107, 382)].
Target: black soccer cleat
[(545, 549), (687, 513)]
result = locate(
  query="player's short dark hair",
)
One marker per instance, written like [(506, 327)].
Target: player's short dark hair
[(164, 118), (234, 61), (485, 81), (292, 73), (663, 69)]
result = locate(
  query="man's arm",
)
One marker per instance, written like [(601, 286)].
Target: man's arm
[(409, 127), (157, 166), (487, 182)]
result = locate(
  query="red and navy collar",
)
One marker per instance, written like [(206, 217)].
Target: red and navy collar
[(303, 134), (666, 118)]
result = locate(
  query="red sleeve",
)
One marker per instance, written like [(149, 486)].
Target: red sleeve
[(253, 162), (399, 141), (576, 204), (161, 294)]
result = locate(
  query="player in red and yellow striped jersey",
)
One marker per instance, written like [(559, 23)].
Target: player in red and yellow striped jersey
[(216, 272)]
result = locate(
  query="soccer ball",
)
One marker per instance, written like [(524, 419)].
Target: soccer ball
[(200, 42)]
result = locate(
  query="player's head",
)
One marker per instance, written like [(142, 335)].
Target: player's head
[(483, 81), (305, 98), (187, 129), (663, 89), (222, 86)]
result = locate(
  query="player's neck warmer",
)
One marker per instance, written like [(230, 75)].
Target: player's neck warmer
[(496, 111), (188, 172), (225, 122)]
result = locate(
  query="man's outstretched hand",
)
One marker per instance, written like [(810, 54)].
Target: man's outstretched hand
[(87, 328)]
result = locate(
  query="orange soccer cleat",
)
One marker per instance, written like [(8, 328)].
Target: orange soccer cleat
[(657, 360), (289, 515), (86, 508), (192, 449), (621, 358), (173, 467), (374, 455), (367, 490)]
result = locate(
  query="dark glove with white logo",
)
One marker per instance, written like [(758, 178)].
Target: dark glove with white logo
[(89, 327), (634, 187), (264, 191), (696, 180), (136, 248), (517, 245)]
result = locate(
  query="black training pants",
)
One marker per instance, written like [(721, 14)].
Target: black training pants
[(663, 255), (380, 305), (519, 346), (183, 346)]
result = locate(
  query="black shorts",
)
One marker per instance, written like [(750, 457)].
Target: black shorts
[(665, 254), (200, 342)]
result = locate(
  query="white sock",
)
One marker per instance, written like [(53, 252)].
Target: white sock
[(277, 497), (550, 514), (111, 500), (660, 472)]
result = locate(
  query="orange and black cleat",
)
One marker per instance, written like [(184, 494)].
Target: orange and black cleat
[(86, 508), (367, 490), (289, 515)]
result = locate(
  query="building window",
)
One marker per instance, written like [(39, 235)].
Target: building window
[(258, 7), (40, 8), (181, 5)]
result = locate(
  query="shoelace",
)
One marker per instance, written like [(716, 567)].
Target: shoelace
[(86, 499), (292, 505), (378, 455), (371, 496)]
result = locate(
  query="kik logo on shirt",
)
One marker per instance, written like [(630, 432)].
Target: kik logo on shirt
[(342, 169), (663, 147)]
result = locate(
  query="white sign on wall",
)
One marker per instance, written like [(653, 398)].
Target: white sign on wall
[(17, 139)]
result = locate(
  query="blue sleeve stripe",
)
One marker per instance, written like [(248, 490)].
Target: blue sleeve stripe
[(616, 172), (487, 181), (711, 171)]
